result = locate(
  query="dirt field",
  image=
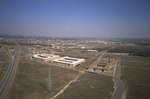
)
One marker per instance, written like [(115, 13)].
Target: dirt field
[(89, 86), (31, 81), (12, 49), (79, 53), (4, 62), (135, 74)]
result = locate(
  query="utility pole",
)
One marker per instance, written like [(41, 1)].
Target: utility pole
[(49, 80), (108, 59)]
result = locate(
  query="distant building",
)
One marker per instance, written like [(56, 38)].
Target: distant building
[(92, 50), (45, 57), (69, 61)]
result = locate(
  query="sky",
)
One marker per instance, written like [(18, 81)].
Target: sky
[(75, 18)]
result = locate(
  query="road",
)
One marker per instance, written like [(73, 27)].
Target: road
[(120, 87), (6, 79)]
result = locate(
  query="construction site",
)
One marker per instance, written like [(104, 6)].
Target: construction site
[(103, 65)]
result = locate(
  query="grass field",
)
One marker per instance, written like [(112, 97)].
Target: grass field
[(79, 53), (89, 86), (12, 49), (135, 74), (31, 80), (4, 62)]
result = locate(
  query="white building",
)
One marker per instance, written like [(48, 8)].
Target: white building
[(92, 50), (69, 61), (45, 57)]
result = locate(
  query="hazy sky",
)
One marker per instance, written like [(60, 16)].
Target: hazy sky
[(76, 18)]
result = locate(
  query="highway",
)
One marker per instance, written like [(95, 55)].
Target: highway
[(120, 87), (6, 79)]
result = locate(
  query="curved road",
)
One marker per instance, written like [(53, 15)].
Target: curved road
[(119, 91), (6, 79)]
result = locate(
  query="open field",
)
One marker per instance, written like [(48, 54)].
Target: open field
[(79, 53), (132, 50), (89, 57), (111, 55), (4, 55), (4, 62), (89, 86), (31, 81), (86, 64), (135, 71), (12, 49), (135, 74)]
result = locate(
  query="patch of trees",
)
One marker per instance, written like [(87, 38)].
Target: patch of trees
[(100, 49), (132, 50), (8, 43), (144, 43)]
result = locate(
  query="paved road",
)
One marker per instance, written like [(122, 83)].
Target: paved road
[(6, 79), (118, 93)]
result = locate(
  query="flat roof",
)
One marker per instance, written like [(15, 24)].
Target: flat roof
[(99, 59), (68, 60), (92, 50), (45, 56)]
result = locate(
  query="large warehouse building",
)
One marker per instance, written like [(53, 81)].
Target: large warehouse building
[(69, 61), (45, 57)]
